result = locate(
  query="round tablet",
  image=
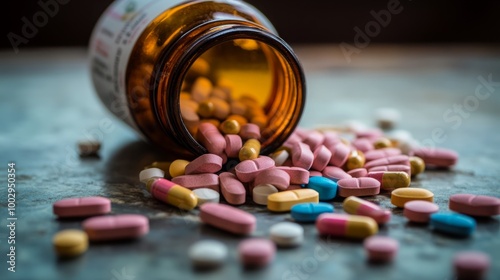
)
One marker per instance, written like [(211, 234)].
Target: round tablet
[(256, 252), (261, 192), (381, 248), (471, 265), (419, 211), (287, 234), (206, 195), (207, 253), (149, 173), (70, 243)]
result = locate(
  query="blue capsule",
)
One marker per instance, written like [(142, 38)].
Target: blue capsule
[(309, 211), (326, 188), (453, 223)]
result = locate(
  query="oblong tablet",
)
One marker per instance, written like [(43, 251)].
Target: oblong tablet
[(197, 181), (207, 163), (227, 218), (453, 223), (70, 243), (81, 207), (392, 160), (343, 225), (283, 201), (232, 189), (358, 187), (117, 227), (326, 188), (400, 196), (256, 252), (298, 175), (247, 170), (419, 211), (437, 157), (475, 205), (335, 173), (276, 177), (381, 153), (309, 211)]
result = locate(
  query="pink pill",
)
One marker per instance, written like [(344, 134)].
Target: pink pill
[(381, 248), (227, 218), (207, 163), (381, 153), (301, 133), (198, 181), (335, 173), (256, 252), (250, 131), (437, 157), (471, 265), (363, 144), (419, 211), (274, 176), (340, 154), (302, 156), (117, 227), (298, 175), (294, 187), (81, 207), (211, 138), (373, 133), (314, 139), (247, 170), (331, 139), (475, 205), (391, 160), (358, 172), (321, 158), (233, 145), (314, 173), (393, 167), (358, 187), (232, 189)]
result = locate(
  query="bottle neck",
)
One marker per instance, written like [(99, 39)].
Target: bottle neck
[(287, 93)]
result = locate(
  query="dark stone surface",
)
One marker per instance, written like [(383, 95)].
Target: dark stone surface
[(47, 104)]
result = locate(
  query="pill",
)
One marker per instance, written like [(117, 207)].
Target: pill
[(163, 165), (358, 187), (363, 144), (276, 177), (321, 158), (88, 147), (206, 109), (392, 167), (342, 225), (261, 192), (357, 206), (302, 156), (190, 118), (391, 160), (381, 248), (197, 181), (382, 143), (340, 154), (287, 234), (250, 131), (205, 195), (358, 172), (390, 180), (387, 118), (471, 265), (239, 118), (233, 145), (355, 160), (256, 252), (70, 243), (230, 127), (475, 205), (227, 218), (326, 188), (125, 226), (171, 193), (335, 173), (372, 133), (221, 93), (149, 173), (207, 253), (238, 108), (221, 108), (381, 153), (249, 150), (201, 89), (453, 224), (81, 207), (309, 211), (207, 163), (437, 157), (331, 138), (298, 175), (400, 196), (314, 139), (260, 120), (280, 157), (247, 170), (211, 138), (232, 189), (317, 173), (178, 167), (283, 201), (419, 211), (417, 165)]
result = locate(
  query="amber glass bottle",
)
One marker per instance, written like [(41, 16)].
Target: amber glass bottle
[(142, 54)]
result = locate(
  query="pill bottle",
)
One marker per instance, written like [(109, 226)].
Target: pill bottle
[(144, 52)]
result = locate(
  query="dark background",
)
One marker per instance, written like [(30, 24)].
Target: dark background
[(297, 21)]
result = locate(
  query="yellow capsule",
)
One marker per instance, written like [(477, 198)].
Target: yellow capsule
[(239, 118), (400, 196), (283, 201), (177, 167), (417, 165), (351, 226), (355, 160), (382, 143), (206, 109), (230, 127), (390, 180), (250, 150), (70, 243)]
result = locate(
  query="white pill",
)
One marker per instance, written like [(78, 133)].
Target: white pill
[(206, 195), (261, 192), (280, 157), (88, 147), (287, 234), (387, 117), (149, 173), (208, 253)]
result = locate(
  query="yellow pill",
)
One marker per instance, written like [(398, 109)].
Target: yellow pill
[(70, 243), (283, 201), (178, 167), (230, 127), (417, 165), (250, 150), (400, 196), (206, 109), (382, 143), (239, 118), (355, 160)]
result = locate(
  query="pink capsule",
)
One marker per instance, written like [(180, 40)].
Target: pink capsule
[(437, 157), (357, 206), (343, 225)]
